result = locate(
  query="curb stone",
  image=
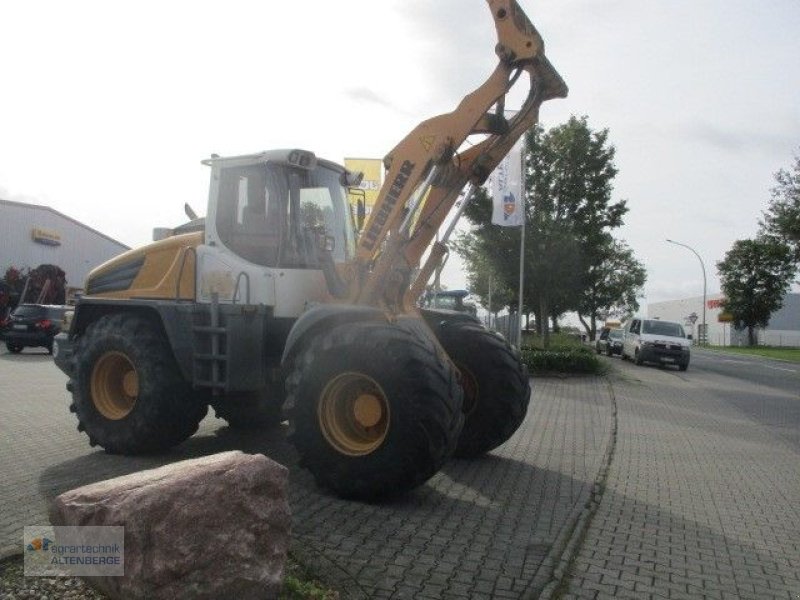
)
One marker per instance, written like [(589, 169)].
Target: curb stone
[(568, 544)]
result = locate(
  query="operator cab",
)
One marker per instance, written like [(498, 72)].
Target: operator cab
[(281, 208)]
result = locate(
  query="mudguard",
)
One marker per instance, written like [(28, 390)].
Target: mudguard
[(437, 319), (326, 316)]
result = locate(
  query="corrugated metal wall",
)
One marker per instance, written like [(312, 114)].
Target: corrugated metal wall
[(80, 249), (783, 330)]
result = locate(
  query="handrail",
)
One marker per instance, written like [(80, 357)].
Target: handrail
[(236, 289), (184, 251)]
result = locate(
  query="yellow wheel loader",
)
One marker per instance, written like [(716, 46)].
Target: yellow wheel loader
[(274, 305)]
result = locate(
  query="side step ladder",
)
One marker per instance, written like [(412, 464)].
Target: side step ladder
[(210, 351)]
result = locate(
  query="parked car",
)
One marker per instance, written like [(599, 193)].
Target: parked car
[(657, 341), (32, 325), (610, 341)]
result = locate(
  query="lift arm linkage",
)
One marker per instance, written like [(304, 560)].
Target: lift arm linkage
[(426, 172)]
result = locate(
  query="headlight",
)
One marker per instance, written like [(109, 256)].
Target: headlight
[(647, 344)]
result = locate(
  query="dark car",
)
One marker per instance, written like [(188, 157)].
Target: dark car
[(32, 325), (610, 341)]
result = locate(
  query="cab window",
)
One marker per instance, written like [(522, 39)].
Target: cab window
[(273, 215)]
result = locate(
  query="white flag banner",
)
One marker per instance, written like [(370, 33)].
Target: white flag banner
[(506, 187)]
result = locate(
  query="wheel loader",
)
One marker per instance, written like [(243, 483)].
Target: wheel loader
[(274, 306)]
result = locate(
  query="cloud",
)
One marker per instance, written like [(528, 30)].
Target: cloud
[(737, 140), (363, 94)]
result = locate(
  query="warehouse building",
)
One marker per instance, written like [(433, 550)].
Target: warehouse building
[(783, 329), (32, 235)]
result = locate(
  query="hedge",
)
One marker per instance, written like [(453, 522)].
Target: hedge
[(562, 359)]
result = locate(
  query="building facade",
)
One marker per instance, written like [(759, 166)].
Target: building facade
[(783, 329), (32, 235)]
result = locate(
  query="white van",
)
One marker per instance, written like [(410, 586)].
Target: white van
[(654, 340)]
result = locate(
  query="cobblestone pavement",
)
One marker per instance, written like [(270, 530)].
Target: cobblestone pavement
[(702, 497), (489, 528)]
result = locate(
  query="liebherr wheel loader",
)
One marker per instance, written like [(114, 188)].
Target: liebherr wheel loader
[(274, 303)]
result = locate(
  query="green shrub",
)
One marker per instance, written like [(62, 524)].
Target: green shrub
[(562, 359)]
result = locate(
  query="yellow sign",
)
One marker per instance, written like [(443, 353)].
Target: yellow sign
[(724, 317), (370, 185), (46, 237)]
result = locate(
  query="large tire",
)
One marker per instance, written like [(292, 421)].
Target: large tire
[(128, 393), (14, 348), (374, 409), (496, 386), (251, 410)]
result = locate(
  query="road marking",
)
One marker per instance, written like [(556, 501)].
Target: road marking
[(781, 369)]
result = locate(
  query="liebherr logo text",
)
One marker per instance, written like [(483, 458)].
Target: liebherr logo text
[(388, 205)]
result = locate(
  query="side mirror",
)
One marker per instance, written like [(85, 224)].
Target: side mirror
[(351, 179), (689, 337)]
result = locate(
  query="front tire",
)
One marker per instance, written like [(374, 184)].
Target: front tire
[(128, 393), (638, 358), (496, 386), (14, 348), (375, 410)]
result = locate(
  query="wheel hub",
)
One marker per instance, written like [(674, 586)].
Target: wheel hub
[(114, 385), (353, 414)]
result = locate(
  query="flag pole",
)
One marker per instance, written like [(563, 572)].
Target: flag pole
[(521, 242)]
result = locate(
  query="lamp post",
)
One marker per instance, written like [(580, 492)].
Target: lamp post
[(702, 266)]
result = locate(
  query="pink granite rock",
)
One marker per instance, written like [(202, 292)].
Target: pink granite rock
[(211, 527)]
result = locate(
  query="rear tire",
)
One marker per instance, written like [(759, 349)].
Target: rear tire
[(128, 393), (14, 348), (251, 410), (496, 386), (375, 410)]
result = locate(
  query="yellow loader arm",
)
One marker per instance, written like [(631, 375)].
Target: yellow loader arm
[(426, 172)]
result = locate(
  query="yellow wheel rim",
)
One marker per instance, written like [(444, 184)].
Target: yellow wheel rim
[(353, 414), (114, 385)]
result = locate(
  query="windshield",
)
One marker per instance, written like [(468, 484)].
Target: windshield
[(615, 334), (272, 215), (663, 328)]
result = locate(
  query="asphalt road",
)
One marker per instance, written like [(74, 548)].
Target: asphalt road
[(768, 391), (769, 373)]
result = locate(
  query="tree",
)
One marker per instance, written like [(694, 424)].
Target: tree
[(782, 218), (755, 276), (611, 286), (46, 284), (570, 181), (569, 171), (481, 274)]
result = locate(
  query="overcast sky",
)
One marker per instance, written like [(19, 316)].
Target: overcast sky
[(107, 108)]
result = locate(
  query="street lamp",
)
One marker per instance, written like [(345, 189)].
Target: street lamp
[(702, 266)]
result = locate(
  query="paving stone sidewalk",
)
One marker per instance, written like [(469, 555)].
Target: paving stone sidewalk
[(489, 528), (701, 500)]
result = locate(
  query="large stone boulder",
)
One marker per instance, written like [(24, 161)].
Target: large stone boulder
[(212, 527)]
